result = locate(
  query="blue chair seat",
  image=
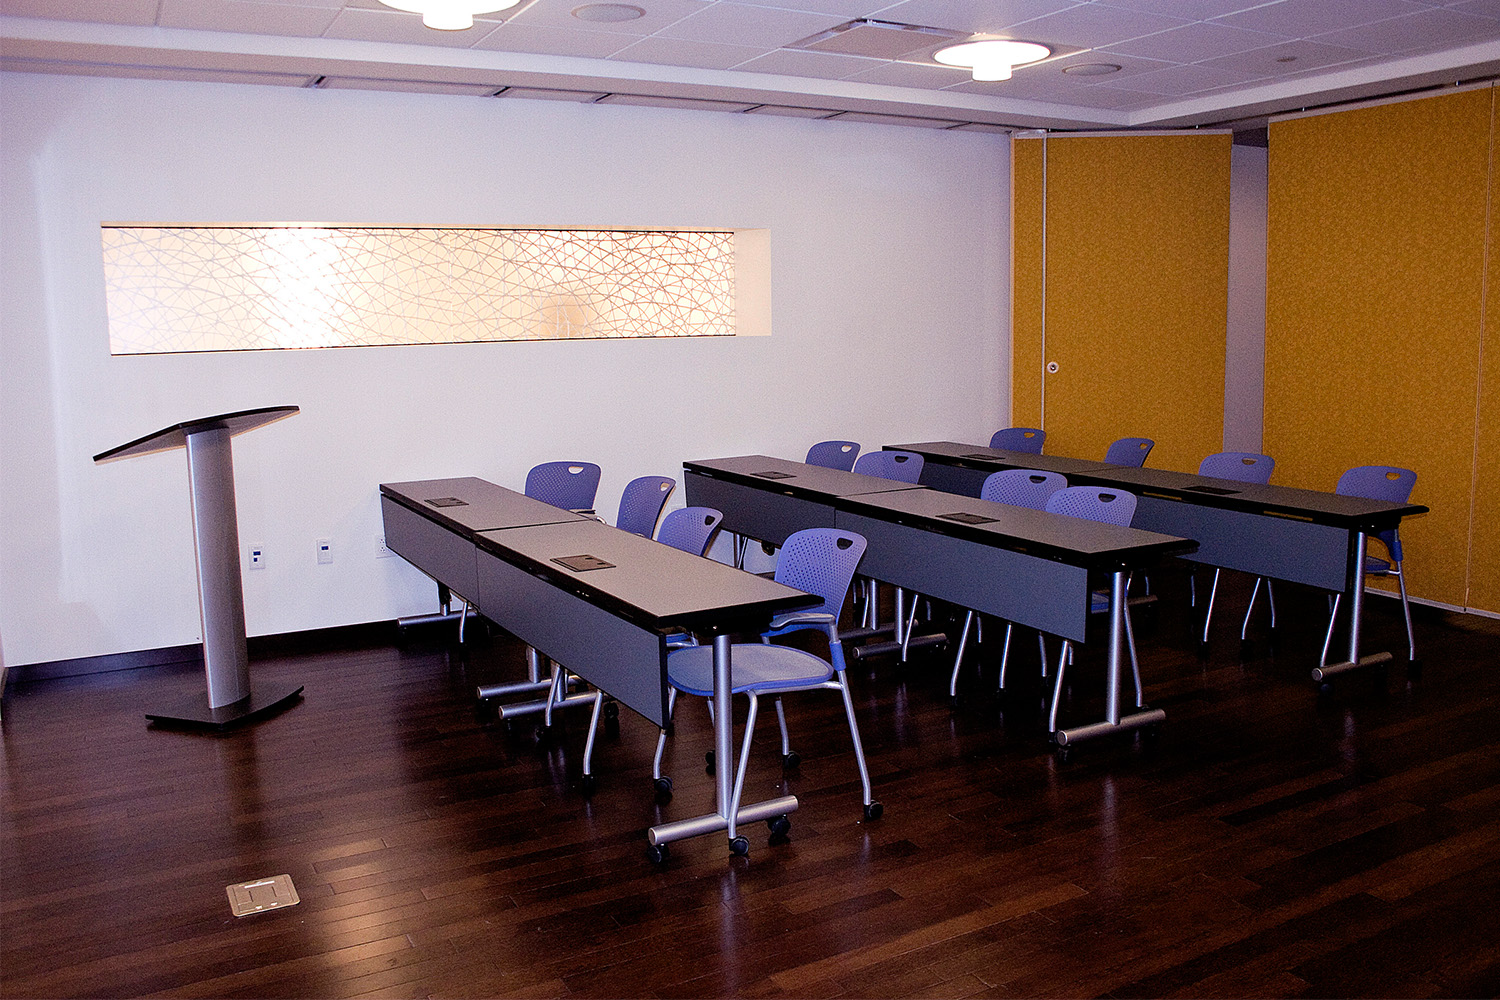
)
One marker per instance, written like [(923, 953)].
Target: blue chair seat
[(753, 665)]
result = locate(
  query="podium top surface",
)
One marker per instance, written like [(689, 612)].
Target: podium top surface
[(176, 435)]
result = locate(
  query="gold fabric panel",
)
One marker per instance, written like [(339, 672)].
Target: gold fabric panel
[(1374, 283), (1137, 294), (1484, 554), (1027, 188)]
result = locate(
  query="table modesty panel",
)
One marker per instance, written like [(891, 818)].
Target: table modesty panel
[(610, 653), (1263, 544), (434, 548), (760, 512), (1043, 594)]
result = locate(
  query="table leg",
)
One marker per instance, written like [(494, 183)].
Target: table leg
[(1113, 722), (1356, 618), (724, 769)]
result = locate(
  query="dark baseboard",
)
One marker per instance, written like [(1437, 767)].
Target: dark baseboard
[(368, 634)]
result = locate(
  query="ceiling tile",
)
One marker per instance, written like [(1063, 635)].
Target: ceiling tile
[(1285, 58), (1416, 31), (559, 14), (138, 12), (898, 74), (251, 18), (1195, 42), (1300, 18), (746, 25), (1187, 10), (971, 15), (817, 65), (1479, 8), (516, 37), (684, 52), (1179, 81), (1093, 26), (398, 26), (1083, 97), (846, 9), (1129, 66)]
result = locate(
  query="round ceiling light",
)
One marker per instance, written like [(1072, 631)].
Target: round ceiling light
[(450, 15), (608, 13), (992, 58), (1091, 69)]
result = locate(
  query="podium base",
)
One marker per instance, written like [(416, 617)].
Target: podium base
[(195, 713)]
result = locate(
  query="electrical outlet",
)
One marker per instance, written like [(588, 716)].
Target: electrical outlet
[(381, 551), (257, 557), (325, 551)]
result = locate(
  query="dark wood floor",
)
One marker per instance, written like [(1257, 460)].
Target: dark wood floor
[(1271, 842)]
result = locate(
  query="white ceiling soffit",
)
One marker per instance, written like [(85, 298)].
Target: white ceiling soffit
[(1116, 63)]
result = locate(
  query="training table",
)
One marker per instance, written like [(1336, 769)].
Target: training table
[(599, 600), (1281, 532)]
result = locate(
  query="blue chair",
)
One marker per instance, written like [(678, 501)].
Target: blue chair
[(1130, 452), (1019, 488), (1023, 439), (1109, 506), (833, 454), (901, 466), (641, 504), (816, 560), (1240, 467), (1393, 485), (569, 485), (690, 529)]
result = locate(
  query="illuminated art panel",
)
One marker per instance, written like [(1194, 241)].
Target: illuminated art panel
[(172, 289)]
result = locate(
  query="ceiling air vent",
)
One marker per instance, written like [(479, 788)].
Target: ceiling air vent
[(876, 39)]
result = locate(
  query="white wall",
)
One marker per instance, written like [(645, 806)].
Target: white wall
[(890, 313)]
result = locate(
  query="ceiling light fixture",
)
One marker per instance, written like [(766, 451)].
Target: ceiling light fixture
[(992, 58), (1092, 69), (450, 15)]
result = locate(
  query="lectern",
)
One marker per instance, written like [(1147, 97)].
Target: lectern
[(228, 701)]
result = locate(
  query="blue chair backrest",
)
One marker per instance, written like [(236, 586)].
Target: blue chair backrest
[(1027, 439), (690, 529), (641, 504), (833, 454), (1022, 487), (569, 485), (1096, 503), (902, 466), (1390, 483), (820, 561), (1241, 466), (1131, 452)]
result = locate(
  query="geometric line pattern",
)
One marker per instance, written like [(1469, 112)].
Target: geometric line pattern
[(176, 289)]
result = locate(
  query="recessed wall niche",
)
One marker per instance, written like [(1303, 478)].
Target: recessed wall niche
[(175, 289)]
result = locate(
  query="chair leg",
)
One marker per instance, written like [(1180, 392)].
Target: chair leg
[(1208, 613), (1005, 653), (1135, 663), (1271, 600), (588, 744), (1250, 609), (1062, 659), (463, 616), (786, 741), (1041, 645), (1411, 637), (661, 739), (958, 658), (1333, 616), (859, 747)]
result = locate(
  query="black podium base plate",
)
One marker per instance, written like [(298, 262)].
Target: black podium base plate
[(195, 713)]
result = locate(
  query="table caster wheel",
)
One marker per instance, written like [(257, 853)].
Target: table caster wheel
[(1063, 754), (739, 847), (874, 810), (779, 826), (663, 788), (659, 853), (1325, 688), (611, 719), (589, 783), (791, 760), (708, 762)]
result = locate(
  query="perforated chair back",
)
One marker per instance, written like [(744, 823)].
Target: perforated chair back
[(1022, 487), (833, 454), (1380, 482), (1096, 503), (821, 561), (901, 466), (1130, 452), (569, 485), (641, 504), (1241, 466), (690, 529), (1027, 439)]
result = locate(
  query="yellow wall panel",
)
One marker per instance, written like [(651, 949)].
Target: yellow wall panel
[(1374, 279), (1027, 176), (1136, 294), (1484, 559)]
